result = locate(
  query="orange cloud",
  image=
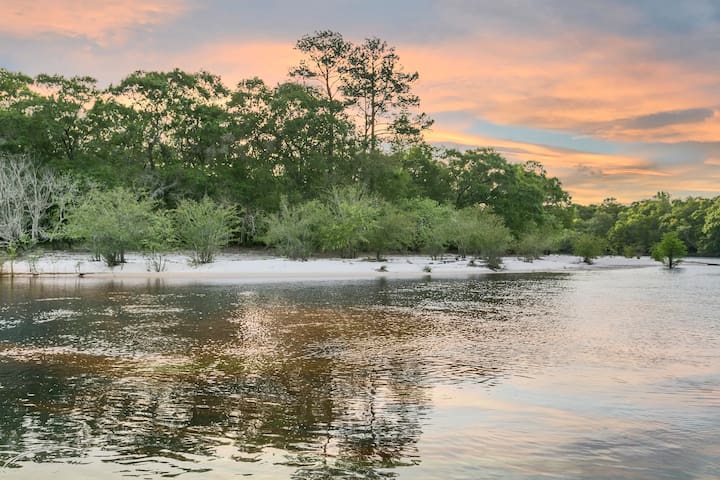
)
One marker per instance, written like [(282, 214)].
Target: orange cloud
[(578, 81), (549, 156), (270, 61), (103, 22)]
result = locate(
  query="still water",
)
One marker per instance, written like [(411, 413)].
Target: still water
[(611, 374)]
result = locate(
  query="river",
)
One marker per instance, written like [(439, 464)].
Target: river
[(606, 374)]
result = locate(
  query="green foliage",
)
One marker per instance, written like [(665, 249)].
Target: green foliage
[(588, 246), (353, 218), (710, 243), (112, 222), (376, 85), (204, 227), (630, 251), (159, 238), (641, 224), (350, 121), (432, 225), (522, 194), (495, 240), (14, 250), (394, 231), (477, 232), (295, 231), (535, 243), (669, 250)]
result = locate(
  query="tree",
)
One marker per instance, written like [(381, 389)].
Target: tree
[(428, 177), (61, 114), (588, 246), (28, 195), (669, 250), (167, 109), (112, 222), (710, 243), (522, 194), (15, 96), (640, 224), (380, 90), (324, 64), (204, 227), (687, 217)]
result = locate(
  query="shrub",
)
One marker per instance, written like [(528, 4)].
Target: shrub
[(159, 238), (588, 246), (353, 218), (477, 232), (432, 224), (394, 230), (112, 222), (535, 243), (204, 227), (294, 231)]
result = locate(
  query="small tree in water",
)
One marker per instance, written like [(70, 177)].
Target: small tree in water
[(669, 250)]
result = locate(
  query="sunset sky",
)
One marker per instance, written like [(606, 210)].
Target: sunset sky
[(616, 97)]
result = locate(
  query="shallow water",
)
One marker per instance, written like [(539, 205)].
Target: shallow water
[(611, 374)]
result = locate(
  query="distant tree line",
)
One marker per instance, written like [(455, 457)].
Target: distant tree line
[(331, 162)]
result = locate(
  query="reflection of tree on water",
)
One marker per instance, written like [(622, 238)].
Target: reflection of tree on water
[(272, 385), (325, 379)]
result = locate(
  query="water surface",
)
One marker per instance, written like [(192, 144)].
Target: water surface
[(610, 374)]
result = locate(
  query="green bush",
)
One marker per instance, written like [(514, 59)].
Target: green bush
[(112, 222), (394, 230), (588, 246), (353, 218), (432, 225), (204, 227), (495, 239), (295, 231), (535, 243)]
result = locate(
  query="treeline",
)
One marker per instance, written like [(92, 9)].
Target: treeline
[(332, 161), (634, 229)]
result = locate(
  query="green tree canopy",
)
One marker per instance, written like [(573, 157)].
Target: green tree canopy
[(670, 250)]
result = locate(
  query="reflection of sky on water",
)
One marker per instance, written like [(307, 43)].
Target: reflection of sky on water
[(594, 375)]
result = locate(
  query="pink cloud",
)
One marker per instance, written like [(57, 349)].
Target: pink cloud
[(578, 81), (103, 22)]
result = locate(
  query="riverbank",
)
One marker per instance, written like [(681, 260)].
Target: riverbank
[(258, 266)]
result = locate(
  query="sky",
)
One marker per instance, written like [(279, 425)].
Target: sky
[(617, 98)]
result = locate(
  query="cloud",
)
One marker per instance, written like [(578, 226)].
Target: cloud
[(101, 22), (612, 87), (664, 119)]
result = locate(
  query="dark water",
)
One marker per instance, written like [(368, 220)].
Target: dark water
[(597, 375)]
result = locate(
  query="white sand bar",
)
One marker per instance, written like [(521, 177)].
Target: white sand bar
[(258, 266)]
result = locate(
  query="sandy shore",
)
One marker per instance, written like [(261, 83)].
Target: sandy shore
[(258, 266)]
